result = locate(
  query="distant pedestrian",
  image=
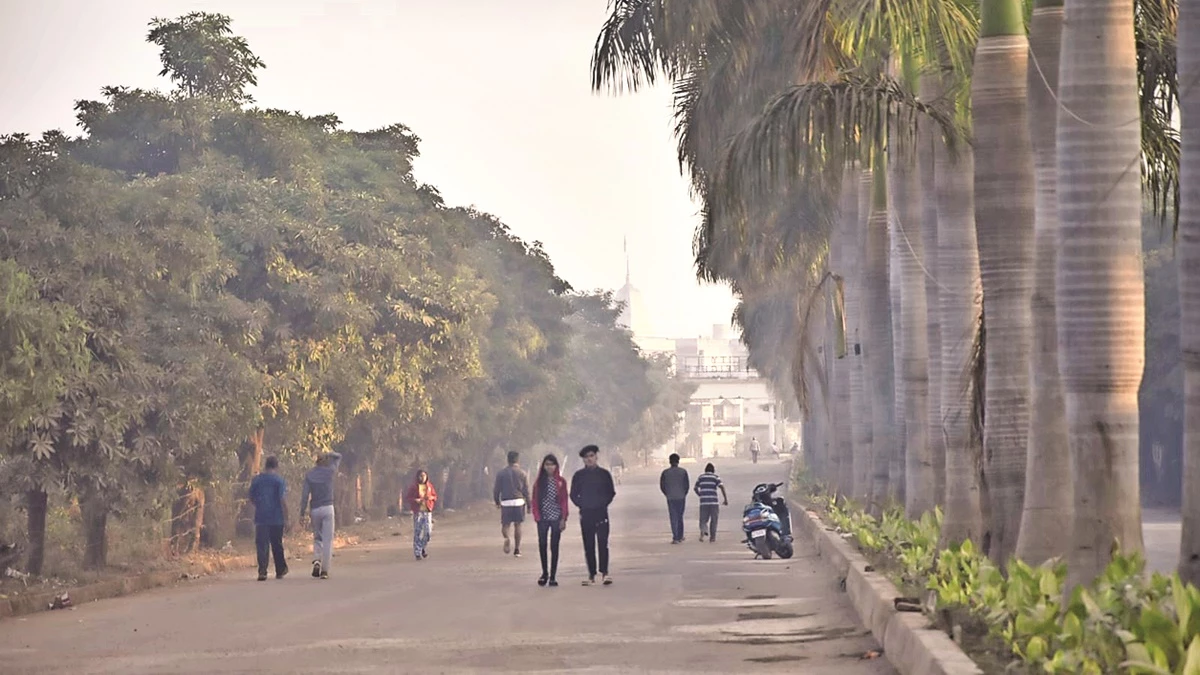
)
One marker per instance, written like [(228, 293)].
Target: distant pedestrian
[(706, 489), (618, 467), (592, 491), (421, 498), (316, 499), (550, 513), (754, 448), (270, 517), (675, 485), (511, 493)]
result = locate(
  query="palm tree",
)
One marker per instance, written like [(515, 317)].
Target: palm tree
[(877, 320), (961, 304), (1189, 284), (908, 250), (930, 84), (1048, 502), (1100, 289), (850, 224), (1004, 212)]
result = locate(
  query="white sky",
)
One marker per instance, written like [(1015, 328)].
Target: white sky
[(498, 91)]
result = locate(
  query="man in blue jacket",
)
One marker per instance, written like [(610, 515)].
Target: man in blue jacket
[(266, 492)]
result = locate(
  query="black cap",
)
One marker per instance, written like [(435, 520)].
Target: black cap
[(588, 449)]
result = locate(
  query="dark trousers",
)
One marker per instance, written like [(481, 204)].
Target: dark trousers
[(549, 532), (675, 511), (268, 539), (594, 524), (708, 520)]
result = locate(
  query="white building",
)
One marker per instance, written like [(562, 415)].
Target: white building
[(731, 405)]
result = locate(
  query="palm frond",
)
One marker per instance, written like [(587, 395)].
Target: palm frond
[(626, 55), (1154, 33), (811, 130)]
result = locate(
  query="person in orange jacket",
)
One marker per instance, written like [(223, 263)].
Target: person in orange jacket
[(421, 498)]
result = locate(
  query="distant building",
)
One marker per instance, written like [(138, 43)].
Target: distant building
[(731, 404)]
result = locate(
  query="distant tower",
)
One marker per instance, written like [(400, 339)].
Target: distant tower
[(633, 314)]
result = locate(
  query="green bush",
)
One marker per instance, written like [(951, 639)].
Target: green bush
[(1121, 622)]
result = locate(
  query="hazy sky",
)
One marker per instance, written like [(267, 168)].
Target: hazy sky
[(498, 91)]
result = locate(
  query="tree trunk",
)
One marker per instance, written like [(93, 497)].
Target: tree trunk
[(252, 457), (187, 519), (898, 469), (961, 306), (1004, 208), (1101, 287), (1047, 512), (904, 183), (95, 532), (845, 415), (877, 347), (1189, 285), (858, 416), (931, 91), (36, 504)]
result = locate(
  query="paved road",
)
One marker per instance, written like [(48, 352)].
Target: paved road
[(468, 608), (1161, 529)]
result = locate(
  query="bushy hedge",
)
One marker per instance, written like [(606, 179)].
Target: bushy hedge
[(1122, 622)]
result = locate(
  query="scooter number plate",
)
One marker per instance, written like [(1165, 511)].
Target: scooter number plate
[(758, 534)]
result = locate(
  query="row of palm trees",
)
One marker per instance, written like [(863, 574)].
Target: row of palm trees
[(931, 212)]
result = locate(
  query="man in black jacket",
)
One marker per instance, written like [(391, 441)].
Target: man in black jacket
[(592, 491)]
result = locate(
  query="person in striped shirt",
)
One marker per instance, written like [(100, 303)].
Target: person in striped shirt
[(706, 488)]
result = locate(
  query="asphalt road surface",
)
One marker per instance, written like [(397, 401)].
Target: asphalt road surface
[(1161, 529), (695, 607)]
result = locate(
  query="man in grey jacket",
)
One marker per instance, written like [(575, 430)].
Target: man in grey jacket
[(316, 501), (675, 485)]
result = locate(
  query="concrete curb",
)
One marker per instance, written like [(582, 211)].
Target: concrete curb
[(908, 643)]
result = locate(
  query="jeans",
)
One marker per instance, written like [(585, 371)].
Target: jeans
[(675, 511), (422, 531), (268, 539), (322, 529), (708, 520), (594, 525), (551, 528)]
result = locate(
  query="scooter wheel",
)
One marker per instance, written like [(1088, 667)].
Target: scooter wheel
[(763, 547), (786, 551)]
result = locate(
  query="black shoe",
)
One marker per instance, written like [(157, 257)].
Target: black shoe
[(316, 569), (553, 583), (324, 574), (516, 553), (262, 576), (424, 553), (280, 575), (542, 580)]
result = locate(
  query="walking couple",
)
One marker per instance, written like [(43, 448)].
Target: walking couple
[(591, 491)]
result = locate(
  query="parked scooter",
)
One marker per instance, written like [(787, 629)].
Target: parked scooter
[(767, 523)]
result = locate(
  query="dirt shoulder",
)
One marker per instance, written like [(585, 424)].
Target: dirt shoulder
[(37, 594)]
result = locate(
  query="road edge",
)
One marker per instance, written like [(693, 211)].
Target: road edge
[(33, 603), (908, 643)]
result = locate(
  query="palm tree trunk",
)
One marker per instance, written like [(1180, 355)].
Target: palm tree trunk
[(1047, 513), (1101, 288), (930, 91), (896, 302), (1004, 208), (878, 323), (853, 417), (904, 183), (960, 302), (1189, 285)]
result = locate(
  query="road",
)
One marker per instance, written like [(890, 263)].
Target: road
[(1161, 529), (696, 607)]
